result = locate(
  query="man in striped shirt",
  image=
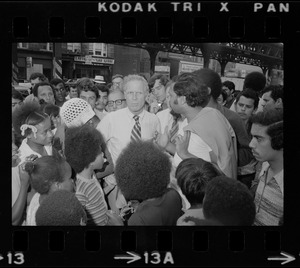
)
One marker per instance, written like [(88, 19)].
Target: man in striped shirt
[(267, 147)]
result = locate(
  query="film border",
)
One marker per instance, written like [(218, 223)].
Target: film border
[(74, 14)]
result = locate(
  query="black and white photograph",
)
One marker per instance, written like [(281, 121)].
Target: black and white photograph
[(150, 133), (137, 132)]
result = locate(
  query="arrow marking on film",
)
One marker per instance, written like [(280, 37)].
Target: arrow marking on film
[(132, 258), (288, 258)]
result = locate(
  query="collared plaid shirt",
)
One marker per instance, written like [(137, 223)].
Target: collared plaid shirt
[(269, 198)]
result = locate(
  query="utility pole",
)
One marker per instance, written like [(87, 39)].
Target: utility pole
[(57, 61), (15, 69)]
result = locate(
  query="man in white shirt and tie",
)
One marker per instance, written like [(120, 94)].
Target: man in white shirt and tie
[(133, 122)]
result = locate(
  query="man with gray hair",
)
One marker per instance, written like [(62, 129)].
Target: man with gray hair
[(129, 124)]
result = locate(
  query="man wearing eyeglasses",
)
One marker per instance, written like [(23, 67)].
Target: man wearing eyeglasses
[(116, 101)]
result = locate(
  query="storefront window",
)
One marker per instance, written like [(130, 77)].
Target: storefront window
[(22, 45), (98, 49), (46, 46), (74, 47), (92, 71)]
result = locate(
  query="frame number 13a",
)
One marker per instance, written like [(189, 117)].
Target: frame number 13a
[(156, 258)]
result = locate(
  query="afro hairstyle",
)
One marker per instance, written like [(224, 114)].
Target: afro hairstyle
[(82, 145), (45, 171), (60, 208), (229, 202), (192, 176), (51, 109), (28, 113), (255, 80), (142, 171)]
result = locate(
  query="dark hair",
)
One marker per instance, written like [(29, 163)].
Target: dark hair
[(224, 95), (82, 145), (229, 202), (174, 78), (255, 80), (142, 171), (60, 208), (249, 94), (102, 88), (51, 109), (193, 88), (28, 113), (229, 84), (93, 88), (273, 119), (56, 81), (192, 176), (276, 91), (36, 86), (84, 83), (212, 80), (16, 95), (163, 79), (34, 76), (235, 93), (45, 171)]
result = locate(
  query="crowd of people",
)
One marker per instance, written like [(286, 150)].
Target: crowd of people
[(189, 150)]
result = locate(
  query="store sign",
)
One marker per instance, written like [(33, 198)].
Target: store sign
[(188, 67), (91, 60), (161, 68)]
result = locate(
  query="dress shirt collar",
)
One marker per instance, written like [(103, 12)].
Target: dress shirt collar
[(278, 177), (131, 115)]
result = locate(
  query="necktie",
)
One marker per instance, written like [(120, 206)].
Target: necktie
[(136, 131), (174, 130)]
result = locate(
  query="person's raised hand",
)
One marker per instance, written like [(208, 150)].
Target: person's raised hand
[(162, 139), (24, 176), (182, 143)]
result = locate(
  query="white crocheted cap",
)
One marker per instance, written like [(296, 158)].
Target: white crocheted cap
[(76, 112)]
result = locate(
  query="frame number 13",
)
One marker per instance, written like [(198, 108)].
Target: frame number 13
[(16, 258)]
